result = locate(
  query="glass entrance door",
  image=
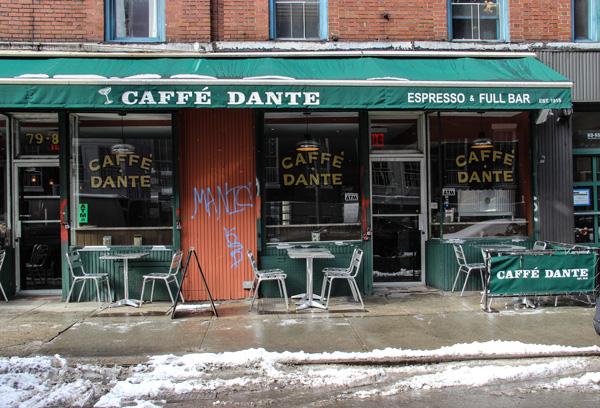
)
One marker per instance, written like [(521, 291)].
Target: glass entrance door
[(37, 218), (397, 220)]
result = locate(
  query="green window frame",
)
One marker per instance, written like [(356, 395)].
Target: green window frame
[(586, 176)]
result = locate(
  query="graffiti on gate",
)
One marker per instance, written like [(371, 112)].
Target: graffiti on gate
[(225, 200), (230, 200), (232, 241)]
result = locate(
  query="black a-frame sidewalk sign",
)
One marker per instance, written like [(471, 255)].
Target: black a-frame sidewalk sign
[(185, 269)]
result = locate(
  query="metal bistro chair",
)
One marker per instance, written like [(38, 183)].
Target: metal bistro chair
[(539, 245), (267, 275), (2, 255), (36, 267), (75, 263), (170, 276), (349, 273), (464, 267)]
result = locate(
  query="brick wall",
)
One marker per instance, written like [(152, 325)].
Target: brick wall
[(189, 21), (52, 20), (245, 21), (540, 20), (424, 20)]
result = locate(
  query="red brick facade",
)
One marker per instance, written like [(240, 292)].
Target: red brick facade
[(390, 20), (543, 20), (52, 20), (187, 21), (190, 21)]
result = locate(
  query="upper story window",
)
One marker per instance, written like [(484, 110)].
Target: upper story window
[(585, 20), (479, 20), (298, 19), (135, 20)]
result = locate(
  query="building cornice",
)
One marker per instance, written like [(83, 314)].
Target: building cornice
[(288, 48)]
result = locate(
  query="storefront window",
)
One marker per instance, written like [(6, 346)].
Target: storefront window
[(123, 179), (390, 131), (37, 135), (312, 177), (586, 176), (480, 175)]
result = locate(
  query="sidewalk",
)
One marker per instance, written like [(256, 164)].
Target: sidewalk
[(416, 319)]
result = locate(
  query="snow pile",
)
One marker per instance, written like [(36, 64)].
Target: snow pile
[(42, 381), (492, 374), (50, 381), (471, 350)]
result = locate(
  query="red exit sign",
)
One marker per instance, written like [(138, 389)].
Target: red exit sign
[(377, 139)]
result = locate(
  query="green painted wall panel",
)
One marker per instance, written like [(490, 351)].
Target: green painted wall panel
[(441, 265), (156, 261), (7, 275), (272, 258)]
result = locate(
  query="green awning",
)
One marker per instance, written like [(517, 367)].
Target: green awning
[(461, 83)]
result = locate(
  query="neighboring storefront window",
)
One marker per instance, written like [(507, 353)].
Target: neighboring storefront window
[(480, 175), (123, 179), (312, 176), (586, 176)]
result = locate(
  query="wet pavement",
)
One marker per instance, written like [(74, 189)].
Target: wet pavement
[(416, 318)]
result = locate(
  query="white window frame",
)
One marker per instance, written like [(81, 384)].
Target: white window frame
[(503, 35), (323, 27), (114, 33), (593, 21)]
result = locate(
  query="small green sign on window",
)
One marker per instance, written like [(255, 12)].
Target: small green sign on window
[(83, 213)]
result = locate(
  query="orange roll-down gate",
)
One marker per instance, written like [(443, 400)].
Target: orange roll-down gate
[(219, 204)]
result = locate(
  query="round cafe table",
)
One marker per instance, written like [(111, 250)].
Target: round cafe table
[(125, 257), (307, 299)]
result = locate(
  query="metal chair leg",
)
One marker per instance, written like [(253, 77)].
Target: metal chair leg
[(254, 297), (285, 296), (170, 294), (142, 294), (456, 279), (70, 291), (329, 292), (324, 287), (108, 288), (98, 292), (465, 285), (179, 291), (81, 290)]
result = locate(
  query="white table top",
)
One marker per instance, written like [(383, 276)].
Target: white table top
[(501, 247), (309, 253), (130, 255)]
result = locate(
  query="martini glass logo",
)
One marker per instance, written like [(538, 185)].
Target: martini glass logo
[(105, 92)]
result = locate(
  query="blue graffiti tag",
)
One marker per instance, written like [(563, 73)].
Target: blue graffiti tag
[(231, 199), (232, 240)]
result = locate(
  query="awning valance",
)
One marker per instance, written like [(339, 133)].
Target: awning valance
[(462, 83)]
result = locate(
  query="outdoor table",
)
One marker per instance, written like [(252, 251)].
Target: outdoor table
[(499, 249), (125, 257), (309, 253), (488, 250)]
